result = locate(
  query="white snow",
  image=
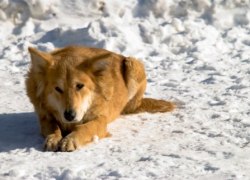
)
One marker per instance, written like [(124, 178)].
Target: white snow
[(196, 53)]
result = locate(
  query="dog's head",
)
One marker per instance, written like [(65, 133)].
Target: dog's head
[(67, 87)]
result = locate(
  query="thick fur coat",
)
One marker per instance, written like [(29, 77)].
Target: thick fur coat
[(76, 91)]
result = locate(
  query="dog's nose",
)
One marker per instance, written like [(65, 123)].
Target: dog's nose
[(69, 114)]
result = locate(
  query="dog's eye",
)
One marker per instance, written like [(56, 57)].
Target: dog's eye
[(79, 86), (59, 90)]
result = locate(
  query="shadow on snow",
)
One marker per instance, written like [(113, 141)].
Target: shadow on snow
[(19, 131)]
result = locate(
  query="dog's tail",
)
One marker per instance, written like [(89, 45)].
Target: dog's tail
[(152, 106)]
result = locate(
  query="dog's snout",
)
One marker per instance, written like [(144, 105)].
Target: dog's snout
[(69, 114)]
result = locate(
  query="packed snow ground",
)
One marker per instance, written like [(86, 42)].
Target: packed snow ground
[(196, 53)]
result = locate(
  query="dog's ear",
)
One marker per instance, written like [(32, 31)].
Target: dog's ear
[(101, 63), (97, 64), (40, 60), (100, 66)]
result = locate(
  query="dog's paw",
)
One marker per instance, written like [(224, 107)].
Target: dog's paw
[(69, 143), (51, 142)]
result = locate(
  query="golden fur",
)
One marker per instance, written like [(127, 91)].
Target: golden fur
[(76, 91)]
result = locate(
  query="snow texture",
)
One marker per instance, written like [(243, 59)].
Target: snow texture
[(196, 53)]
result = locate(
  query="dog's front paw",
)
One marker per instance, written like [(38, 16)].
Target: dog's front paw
[(69, 143), (51, 142)]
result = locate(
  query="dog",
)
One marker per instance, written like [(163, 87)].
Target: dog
[(76, 91)]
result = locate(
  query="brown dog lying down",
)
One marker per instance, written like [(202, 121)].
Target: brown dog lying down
[(76, 91)]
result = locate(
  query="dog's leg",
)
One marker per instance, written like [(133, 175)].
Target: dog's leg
[(83, 134), (51, 132), (135, 102), (135, 78)]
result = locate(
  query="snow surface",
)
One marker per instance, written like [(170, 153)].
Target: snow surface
[(196, 53)]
